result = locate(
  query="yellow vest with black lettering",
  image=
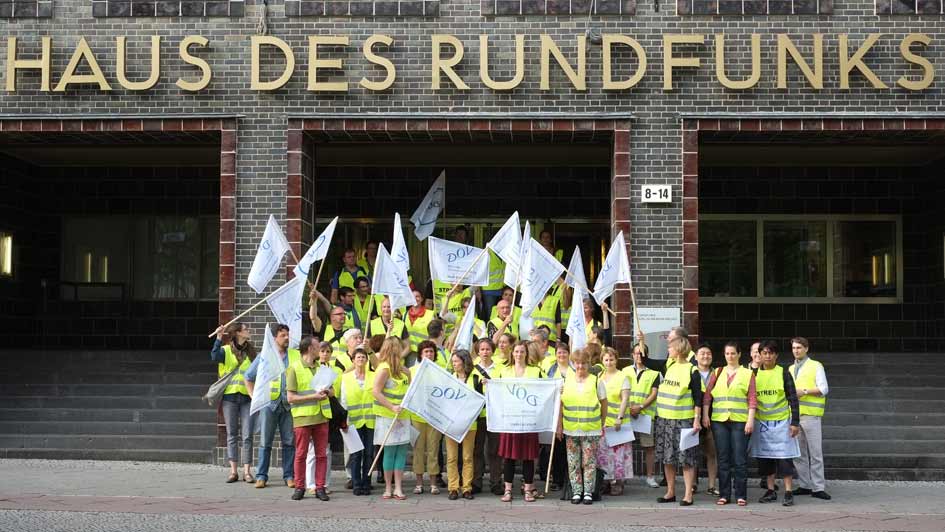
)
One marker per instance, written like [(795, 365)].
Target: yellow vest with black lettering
[(237, 383), (496, 273), (303, 376), (806, 379), (580, 409), (730, 401), (276, 386), (674, 399), (394, 390), (359, 399), (640, 388), (613, 397), (418, 329), (772, 401), (377, 327), (545, 314)]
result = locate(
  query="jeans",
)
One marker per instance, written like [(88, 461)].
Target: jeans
[(318, 435), (269, 419), (239, 427), (359, 463), (731, 444)]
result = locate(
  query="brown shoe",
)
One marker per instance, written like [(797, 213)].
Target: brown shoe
[(616, 489), (290, 483), (260, 483)]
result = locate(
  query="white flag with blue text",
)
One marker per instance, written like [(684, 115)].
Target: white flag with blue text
[(398, 250), (616, 269), (507, 244), (449, 261), (424, 218), (317, 252), (391, 280), (514, 269), (272, 248), (522, 405), (576, 278), (576, 330), (464, 335), (540, 270), (447, 404), (286, 305), (269, 369)]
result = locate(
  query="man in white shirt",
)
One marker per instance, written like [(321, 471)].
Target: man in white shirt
[(811, 383)]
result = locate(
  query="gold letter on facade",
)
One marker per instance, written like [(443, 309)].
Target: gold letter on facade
[(669, 62), (611, 39), (816, 76), (847, 63), (155, 66), (185, 55), (519, 64), (447, 65), (69, 77), (314, 63), (755, 63), (549, 48), (379, 60), (928, 70), (14, 64), (256, 42)]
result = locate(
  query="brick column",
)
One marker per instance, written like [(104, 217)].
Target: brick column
[(227, 291), (622, 325), (690, 202)]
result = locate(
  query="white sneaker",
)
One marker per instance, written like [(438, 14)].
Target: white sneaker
[(651, 482)]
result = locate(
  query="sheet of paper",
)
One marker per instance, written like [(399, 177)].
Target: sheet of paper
[(688, 438), (642, 424), (352, 439), (544, 438), (615, 437), (323, 379), (414, 434)]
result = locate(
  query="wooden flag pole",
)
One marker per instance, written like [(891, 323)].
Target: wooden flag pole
[(377, 455), (636, 315), (551, 456)]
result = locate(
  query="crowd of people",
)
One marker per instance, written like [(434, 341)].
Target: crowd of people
[(374, 350)]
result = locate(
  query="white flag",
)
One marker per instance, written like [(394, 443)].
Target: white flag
[(450, 260), (391, 281), (286, 305), (513, 269), (448, 405), (576, 278), (540, 270), (317, 252), (522, 405), (616, 269), (507, 242), (424, 218), (272, 248), (269, 369), (576, 330), (398, 250), (464, 335)]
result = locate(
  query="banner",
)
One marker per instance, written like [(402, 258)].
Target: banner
[(317, 252), (522, 405), (272, 248), (616, 269), (507, 244), (464, 335), (269, 369), (424, 218), (656, 323), (575, 277), (576, 328), (450, 260), (772, 439), (391, 280), (286, 305), (540, 270), (513, 269), (398, 250), (448, 405)]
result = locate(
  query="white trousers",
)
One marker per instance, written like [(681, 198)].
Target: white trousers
[(810, 466)]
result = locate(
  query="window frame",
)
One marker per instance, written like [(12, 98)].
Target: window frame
[(831, 221)]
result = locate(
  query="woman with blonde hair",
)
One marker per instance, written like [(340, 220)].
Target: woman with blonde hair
[(678, 409), (391, 380), (616, 461)]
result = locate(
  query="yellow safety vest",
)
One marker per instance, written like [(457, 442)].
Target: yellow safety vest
[(377, 327), (275, 388), (238, 382), (640, 388), (590, 325), (531, 372), (670, 362), (394, 390), (303, 376), (418, 329), (772, 402), (730, 402), (361, 309), (339, 350), (580, 409), (496, 273), (674, 399), (510, 328), (346, 278), (545, 314), (363, 264), (613, 397), (806, 379), (516, 315), (479, 326), (359, 399)]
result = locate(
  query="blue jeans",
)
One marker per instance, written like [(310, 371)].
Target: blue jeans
[(239, 427), (281, 416), (731, 444), (359, 463)]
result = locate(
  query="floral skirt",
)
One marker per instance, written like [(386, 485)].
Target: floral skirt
[(617, 462), (667, 443)]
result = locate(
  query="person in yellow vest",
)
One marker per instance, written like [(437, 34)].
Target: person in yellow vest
[(731, 399), (462, 370), (547, 314), (678, 409), (366, 262), (425, 460), (365, 302), (616, 461), (492, 292), (503, 322), (520, 446), (277, 413), (561, 366), (644, 384), (233, 350), (452, 320), (810, 380), (346, 276), (597, 332), (351, 339), (448, 299), (706, 438), (663, 366), (391, 381), (779, 414), (346, 297), (583, 414), (326, 360), (508, 296), (487, 443), (385, 321), (547, 242), (310, 414), (418, 320), (357, 399), (335, 330), (539, 337), (503, 349)]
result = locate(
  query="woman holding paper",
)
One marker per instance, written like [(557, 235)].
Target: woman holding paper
[(644, 383), (463, 371), (583, 413), (617, 460), (731, 394), (522, 446), (679, 411), (428, 442), (357, 399), (390, 431)]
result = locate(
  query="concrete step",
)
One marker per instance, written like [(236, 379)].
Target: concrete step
[(879, 432), (112, 377), (205, 415), (79, 401), (106, 441), (841, 419), (885, 460), (880, 405), (882, 380), (110, 428), (885, 474), (105, 390), (886, 392), (204, 456), (888, 447)]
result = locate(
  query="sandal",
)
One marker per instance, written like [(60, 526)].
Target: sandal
[(232, 478), (537, 494), (400, 497), (434, 490), (387, 496), (721, 502), (742, 502), (507, 496), (249, 478), (529, 497), (419, 489)]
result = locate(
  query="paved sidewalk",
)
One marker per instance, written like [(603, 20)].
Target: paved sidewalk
[(33, 493)]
